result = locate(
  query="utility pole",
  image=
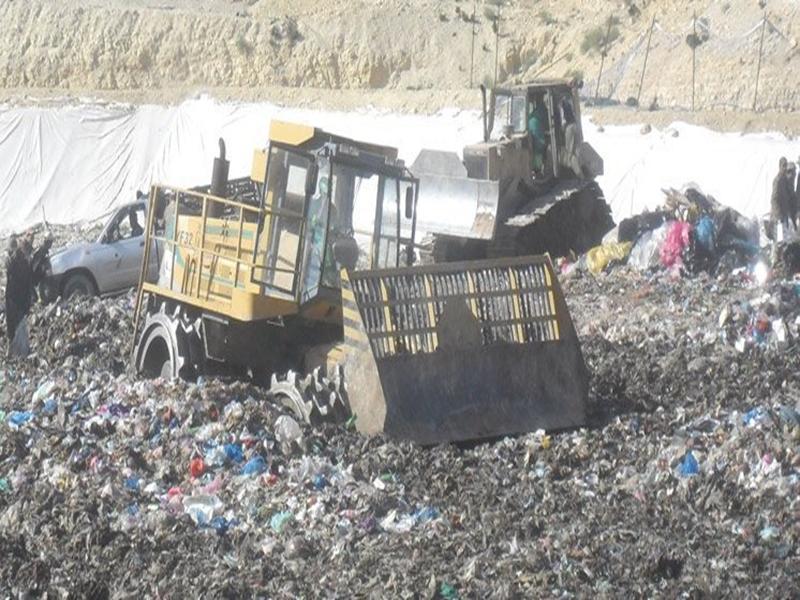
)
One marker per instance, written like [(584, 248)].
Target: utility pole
[(646, 55), (694, 55), (760, 54), (472, 55), (497, 39), (603, 59)]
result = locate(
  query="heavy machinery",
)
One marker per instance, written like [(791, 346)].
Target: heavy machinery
[(306, 267), (517, 193)]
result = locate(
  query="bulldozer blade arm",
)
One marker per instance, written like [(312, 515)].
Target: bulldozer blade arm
[(452, 203), (461, 351)]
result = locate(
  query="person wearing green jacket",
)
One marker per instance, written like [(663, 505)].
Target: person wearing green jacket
[(536, 128)]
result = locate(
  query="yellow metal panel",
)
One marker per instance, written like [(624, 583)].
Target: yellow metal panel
[(355, 335), (322, 310), (387, 315), (293, 134), (429, 300), (253, 307), (258, 171), (242, 305), (516, 305), (349, 313)]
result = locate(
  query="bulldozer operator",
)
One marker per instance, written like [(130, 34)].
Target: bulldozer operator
[(537, 126)]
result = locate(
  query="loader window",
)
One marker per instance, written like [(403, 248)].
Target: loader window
[(355, 195), (389, 224), (318, 251), (279, 244)]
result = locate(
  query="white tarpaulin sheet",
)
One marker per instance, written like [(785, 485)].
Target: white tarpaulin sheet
[(77, 162)]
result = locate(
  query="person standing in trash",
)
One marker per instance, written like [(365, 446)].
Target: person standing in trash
[(19, 288), (40, 264), (791, 175), (782, 199), (795, 185)]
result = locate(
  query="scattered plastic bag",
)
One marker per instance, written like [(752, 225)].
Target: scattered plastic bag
[(279, 521), (202, 508), (689, 466), (599, 257), (676, 242), (287, 430), (255, 466), (646, 252)]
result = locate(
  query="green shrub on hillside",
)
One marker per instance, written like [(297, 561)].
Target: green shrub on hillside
[(594, 40)]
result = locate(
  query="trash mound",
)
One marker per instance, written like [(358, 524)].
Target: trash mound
[(691, 233), (685, 484)]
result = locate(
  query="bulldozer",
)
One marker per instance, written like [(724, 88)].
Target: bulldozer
[(301, 276), (518, 192)]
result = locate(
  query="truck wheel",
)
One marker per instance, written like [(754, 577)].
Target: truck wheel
[(163, 348), (78, 284)]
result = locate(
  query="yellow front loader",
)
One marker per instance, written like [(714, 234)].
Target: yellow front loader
[(301, 277)]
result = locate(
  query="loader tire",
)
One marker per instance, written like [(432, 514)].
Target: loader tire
[(163, 349)]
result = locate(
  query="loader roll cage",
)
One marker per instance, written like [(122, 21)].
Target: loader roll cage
[(217, 251), (348, 193)]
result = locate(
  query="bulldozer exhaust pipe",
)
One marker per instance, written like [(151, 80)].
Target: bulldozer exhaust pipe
[(219, 180), (485, 115)]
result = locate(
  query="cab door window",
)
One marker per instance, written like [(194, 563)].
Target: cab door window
[(280, 237), (319, 241), (388, 230), (354, 197)]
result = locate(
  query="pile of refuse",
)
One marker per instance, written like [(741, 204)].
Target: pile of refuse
[(685, 483), (691, 233)]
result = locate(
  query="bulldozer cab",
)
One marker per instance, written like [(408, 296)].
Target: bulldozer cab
[(544, 115)]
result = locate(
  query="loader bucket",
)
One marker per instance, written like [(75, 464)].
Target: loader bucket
[(461, 351)]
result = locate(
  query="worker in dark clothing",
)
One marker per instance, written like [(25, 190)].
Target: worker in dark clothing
[(40, 265), (781, 202), (796, 187), (791, 175), (19, 287), (781, 194)]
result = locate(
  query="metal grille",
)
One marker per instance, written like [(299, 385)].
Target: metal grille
[(512, 300)]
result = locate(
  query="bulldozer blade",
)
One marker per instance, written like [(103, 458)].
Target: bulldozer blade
[(461, 351), (453, 203)]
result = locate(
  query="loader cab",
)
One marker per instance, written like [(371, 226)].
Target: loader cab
[(335, 193)]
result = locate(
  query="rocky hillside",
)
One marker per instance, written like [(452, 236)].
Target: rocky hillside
[(104, 45)]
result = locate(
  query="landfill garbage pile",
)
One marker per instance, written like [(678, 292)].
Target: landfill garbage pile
[(690, 233), (685, 483)]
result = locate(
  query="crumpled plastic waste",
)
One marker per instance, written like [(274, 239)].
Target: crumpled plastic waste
[(676, 242), (689, 466), (279, 520), (599, 257), (255, 466)]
